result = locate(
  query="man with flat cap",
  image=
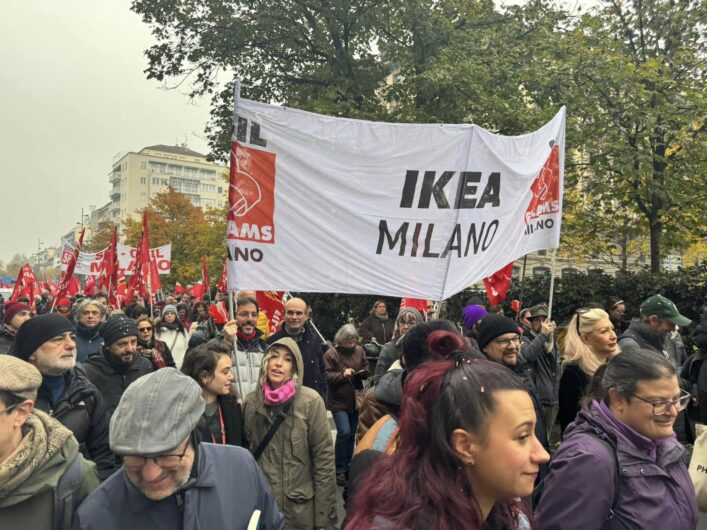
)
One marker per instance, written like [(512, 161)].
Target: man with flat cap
[(47, 342), (119, 364), (169, 480), (43, 477)]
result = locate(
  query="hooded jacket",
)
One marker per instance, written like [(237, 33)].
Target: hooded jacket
[(88, 342), (656, 490), (30, 506), (310, 345), (299, 460), (83, 411), (112, 377)]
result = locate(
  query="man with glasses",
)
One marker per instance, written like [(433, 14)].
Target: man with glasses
[(43, 476), (169, 480), (48, 342), (499, 341)]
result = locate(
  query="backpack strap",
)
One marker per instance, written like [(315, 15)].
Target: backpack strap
[(67, 493), (273, 429), (385, 435)]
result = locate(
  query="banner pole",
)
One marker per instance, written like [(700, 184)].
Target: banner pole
[(289, 295), (522, 286), (552, 283)]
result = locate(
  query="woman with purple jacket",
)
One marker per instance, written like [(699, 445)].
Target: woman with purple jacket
[(620, 464)]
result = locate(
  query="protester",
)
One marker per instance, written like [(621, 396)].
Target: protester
[(155, 351), (540, 351), (199, 313), (430, 310), (298, 328), (182, 311), (119, 364), (211, 327), (392, 351), (63, 307), (43, 476), (168, 479), (211, 366), (249, 345), (170, 330), (15, 315), (471, 315), (89, 316), (615, 308), (653, 331), (465, 454), (377, 327), (47, 342), (346, 367), (590, 342), (263, 320), (298, 460), (524, 321), (623, 446)]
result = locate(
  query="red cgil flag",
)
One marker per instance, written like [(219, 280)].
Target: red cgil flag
[(68, 275), (497, 285), (204, 277), (26, 285), (271, 303)]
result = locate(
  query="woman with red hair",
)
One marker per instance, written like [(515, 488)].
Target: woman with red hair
[(466, 451)]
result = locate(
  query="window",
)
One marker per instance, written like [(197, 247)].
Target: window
[(568, 271), (220, 189), (165, 182), (541, 271), (143, 180), (208, 187), (542, 252), (155, 181), (516, 272), (158, 167)]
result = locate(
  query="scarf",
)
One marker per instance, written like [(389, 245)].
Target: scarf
[(8, 330), (43, 438), (171, 325), (246, 338), (279, 395), (382, 318)]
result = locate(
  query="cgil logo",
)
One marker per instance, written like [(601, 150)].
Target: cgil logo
[(546, 189)]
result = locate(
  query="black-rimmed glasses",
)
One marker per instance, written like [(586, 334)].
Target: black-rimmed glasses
[(662, 406), (164, 461), (9, 409)]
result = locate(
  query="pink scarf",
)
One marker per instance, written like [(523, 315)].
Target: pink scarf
[(279, 395)]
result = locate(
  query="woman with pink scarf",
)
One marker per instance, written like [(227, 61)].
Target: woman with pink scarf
[(298, 459)]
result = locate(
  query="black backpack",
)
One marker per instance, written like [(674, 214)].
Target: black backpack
[(611, 446), (66, 495)]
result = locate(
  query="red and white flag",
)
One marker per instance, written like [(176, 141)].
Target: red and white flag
[(179, 289), (89, 288), (141, 278), (497, 285), (68, 275), (271, 303), (222, 284), (26, 285)]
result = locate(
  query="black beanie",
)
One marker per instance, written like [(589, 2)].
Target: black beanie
[(38, 330), (117, 327), (492, 326)]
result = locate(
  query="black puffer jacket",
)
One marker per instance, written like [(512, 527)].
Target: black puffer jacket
[(83, 411), (7, 340), (112, 377)]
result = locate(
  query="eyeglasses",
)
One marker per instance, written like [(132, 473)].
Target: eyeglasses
[(143, 330), (506, 342), (9, 409), (581, 311), (164, 461), (661, 407)]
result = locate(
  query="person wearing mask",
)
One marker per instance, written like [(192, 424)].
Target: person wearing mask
[(43, 476), (377, 327), (170, 330), (465, 455), (620, 464), (211, 366), (169, 480), (346, 367), (589, 343), (15, 315), (155, 351), (119, 364), (47, 342), (392, 351), (89, 316), (615, 308), (298, 327)]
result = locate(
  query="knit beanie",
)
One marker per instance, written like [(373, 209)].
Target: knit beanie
[(471, 314), (492, 326), (169, 308), (38, 330), (19, 378), (117, 327), (407, 312), (12, 308)]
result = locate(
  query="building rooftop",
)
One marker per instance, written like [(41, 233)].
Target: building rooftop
[(174, 149)]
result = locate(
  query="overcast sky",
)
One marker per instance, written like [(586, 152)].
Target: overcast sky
[(72, 96)]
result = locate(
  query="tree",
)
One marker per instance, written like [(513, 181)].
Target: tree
[(15, 264), (101, 238)]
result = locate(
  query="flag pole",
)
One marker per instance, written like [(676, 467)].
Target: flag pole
[(552, 283)]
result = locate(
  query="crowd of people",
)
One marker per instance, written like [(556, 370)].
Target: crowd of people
[(177, 416)]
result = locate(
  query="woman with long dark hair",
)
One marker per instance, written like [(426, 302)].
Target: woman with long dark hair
[(466, 452), (211, 366), (170, 330), (156, 351)]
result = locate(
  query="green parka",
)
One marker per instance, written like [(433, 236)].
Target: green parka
[(299, 460)]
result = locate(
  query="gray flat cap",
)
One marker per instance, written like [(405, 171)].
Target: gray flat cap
[(156, 413), (19, 378)]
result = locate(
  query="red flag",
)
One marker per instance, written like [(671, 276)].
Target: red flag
[(179, 289), (68, 274), (515, 306), (142, 273), (26, 285), (222, 284), (415, 303), (498, 284), (89, 288), (204, 276), (271, 303), (73, 288), (197, 290), (108, 264)]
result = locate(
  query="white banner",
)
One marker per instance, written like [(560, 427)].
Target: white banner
[(89, 263), (322, 204)]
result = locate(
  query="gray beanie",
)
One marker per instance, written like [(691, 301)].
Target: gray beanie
[(409, 311), (156, 413)]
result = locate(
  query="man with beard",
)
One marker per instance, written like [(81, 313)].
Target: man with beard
[(47, 342), (89, 315), (169, 480), (119, 364), (15, 315), (298, 328)]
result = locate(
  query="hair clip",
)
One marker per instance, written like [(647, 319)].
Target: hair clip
[(482, 390), (465, 378)]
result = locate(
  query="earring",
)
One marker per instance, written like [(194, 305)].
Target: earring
[(469, 462)]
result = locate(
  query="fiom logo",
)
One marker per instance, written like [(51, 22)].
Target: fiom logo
[(546, 188)]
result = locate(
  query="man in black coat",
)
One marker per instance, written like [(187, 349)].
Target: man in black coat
[(47, 342), (296, 327), (119, 364)]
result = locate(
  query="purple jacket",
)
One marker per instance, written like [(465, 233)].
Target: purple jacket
[(656, 490)]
